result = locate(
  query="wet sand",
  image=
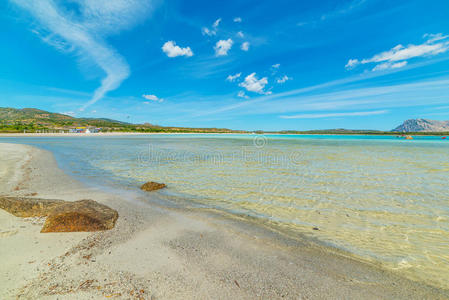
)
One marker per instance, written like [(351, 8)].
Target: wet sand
[(159, 251)]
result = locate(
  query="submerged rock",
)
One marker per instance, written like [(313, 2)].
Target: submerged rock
[(28, 207), (83, 215), (152, 186), (63, 216)]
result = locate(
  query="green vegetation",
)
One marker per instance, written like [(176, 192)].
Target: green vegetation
[(34, 120)]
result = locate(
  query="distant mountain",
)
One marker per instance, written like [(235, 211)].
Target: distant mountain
[(34, 120), (423, 125)]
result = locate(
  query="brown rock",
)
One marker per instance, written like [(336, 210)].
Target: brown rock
[(28, 207), (152, 186), (83, 215), (62, 216)]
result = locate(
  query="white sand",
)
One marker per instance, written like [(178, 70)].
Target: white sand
[(23, 250), (156, 252)]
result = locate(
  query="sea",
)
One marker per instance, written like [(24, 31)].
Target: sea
[(381, 199)]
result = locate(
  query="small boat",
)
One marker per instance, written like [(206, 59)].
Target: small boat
[(408, 137), (443, 137)]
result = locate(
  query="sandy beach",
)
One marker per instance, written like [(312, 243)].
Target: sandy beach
[(159, 251)]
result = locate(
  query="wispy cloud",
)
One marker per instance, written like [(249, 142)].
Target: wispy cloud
[(241, 94), (85, 31), (275, 68), (207, 31), (213, 30), (355, 4), (352, 63), (334, 115), (206, 66), (434, 37), (321, 97), (237, 20), (232, 78), (389, 65), (283, 79), (216, 23), (398, 56), (172, 50), (153, 98)]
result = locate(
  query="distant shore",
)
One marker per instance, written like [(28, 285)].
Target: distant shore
[(102, 134), (97, 134), (162, 252)]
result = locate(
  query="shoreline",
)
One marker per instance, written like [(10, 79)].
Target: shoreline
[(173, 253), (105, 134)]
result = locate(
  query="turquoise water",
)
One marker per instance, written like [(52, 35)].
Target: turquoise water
[(382, 198)]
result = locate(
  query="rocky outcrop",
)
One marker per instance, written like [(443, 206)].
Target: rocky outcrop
[(28, 207), (63, 216), (423, 125), (152, 186), (83, 215)]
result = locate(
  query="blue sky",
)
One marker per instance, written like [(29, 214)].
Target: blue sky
[(271, 65)]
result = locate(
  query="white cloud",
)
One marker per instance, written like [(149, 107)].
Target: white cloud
[(216, 23), (283, 79), (237, 20), (153, 98), (172, 50), (352, 63), (389, 65), (400, 52), (207, 31), (398, 56), (252, 84), (232, 78), (241, 94), (240, 34), (213, 31), (222, 47), (84, 31), (245, 46), (331, 115), (276, 66), (434, 37)]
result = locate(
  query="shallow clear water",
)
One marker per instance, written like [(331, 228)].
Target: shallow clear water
[(384, 199)]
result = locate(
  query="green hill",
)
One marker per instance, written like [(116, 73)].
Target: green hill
[(33, 120)]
